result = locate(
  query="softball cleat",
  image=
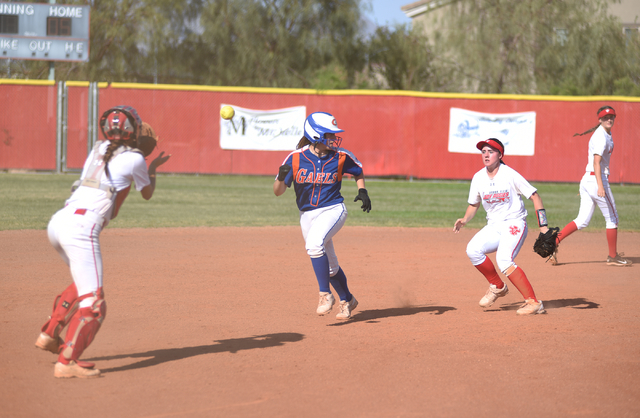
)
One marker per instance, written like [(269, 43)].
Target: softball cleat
[(618, 261), (493, 294), (531, 307), (48, 343), (325, 304), (346, 308), (65, 371)]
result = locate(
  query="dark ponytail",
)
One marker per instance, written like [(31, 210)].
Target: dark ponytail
[(303, 142), (598, 125)]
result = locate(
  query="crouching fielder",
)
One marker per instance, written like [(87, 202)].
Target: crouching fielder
[(315, 169), (498, 187), (74, 232)]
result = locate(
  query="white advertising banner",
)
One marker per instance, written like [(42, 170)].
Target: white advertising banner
[(517, 131), (262, 130)]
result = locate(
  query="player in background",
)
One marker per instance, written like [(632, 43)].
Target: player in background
[(74, 232), (316, 169), (498, 187), (595, 189)]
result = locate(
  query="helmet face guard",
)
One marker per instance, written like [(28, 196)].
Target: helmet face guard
[(120, 123), (317, 125)]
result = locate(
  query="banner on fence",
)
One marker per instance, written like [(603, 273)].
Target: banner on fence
[(262, 130), (517, 131)]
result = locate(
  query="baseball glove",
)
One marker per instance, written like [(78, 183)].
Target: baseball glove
[(147, 139), (545, 244)]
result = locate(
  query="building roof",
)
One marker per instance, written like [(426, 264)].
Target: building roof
[(423, 6), (628, 11)]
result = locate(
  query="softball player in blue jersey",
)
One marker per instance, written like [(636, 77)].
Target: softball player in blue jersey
[(316, 168)]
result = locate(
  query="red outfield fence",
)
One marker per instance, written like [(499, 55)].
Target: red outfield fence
[(393, 133)]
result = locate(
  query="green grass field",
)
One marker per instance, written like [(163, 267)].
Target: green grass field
[(29, 200)]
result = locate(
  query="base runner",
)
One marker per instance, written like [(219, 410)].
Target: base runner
[(315, 169)]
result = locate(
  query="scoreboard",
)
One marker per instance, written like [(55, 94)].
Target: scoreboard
[(47, 32)]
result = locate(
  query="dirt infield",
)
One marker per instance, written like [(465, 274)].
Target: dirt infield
[(213, 322)]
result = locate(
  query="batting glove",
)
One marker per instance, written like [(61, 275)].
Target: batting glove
[(366, 202)]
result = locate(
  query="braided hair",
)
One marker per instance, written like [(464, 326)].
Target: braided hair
[(111, 148), (598, 125)]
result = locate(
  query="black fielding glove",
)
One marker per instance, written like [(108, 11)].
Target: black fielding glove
[(545, 244), (284, 170), (366, 202)]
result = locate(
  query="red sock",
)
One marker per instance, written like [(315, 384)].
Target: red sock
[(567, 230), (489, 271), (520, 281), (612, 240)]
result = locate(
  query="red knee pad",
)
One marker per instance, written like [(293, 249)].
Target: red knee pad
[(83, 328), (65, 306)]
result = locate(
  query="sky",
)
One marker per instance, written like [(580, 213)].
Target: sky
[(387, 12)]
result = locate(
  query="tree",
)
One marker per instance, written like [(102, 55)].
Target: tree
[(262, 43), (402, 58), (593, 57), (532, 47), (277, 43)]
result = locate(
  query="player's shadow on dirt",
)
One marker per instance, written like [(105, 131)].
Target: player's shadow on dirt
[(576, 303), (372, 315), (232, 345)]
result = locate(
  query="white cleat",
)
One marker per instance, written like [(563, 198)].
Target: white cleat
[(493, 294), (325, 304), (47, 343), (65, 371), (346, 308), (531, 307)]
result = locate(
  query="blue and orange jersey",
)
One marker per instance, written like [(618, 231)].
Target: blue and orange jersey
[(317, 180)]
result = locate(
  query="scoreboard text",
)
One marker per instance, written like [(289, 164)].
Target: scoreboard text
[(50, 32)]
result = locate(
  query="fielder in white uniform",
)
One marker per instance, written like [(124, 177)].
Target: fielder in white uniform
[(595, 189), (498, 188), (74, 232)]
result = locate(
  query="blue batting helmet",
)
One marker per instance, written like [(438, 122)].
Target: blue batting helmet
[(318, 124)]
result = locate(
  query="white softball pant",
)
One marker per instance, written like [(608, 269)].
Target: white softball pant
[(318, 228), (504, 238), (75, 235), (589, 199)]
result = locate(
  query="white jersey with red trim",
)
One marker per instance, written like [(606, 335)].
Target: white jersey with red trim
[(601, 143), (124, 168), (500, 195)]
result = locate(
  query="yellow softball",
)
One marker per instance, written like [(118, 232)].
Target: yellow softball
[(227, 112)]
